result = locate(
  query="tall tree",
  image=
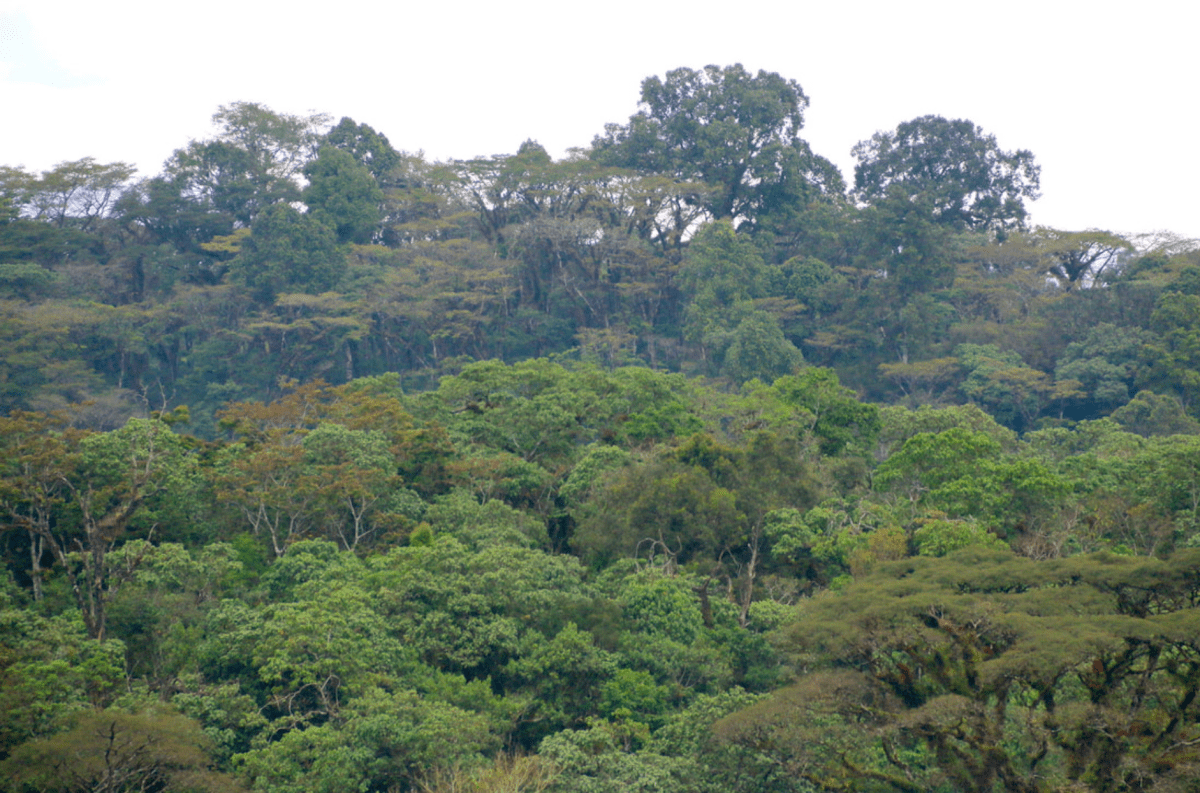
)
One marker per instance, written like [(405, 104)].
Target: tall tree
[(289, 252), (736, 131), (954, 167), (72, 194), (368, 147), (254, 161)]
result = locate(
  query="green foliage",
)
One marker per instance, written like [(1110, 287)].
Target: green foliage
[(387, 740), (1105, 363), (940, 536), (838, 418), (899, 424), (118, 751), (1149, 414), (735, 131), (471, 553), (998, 379), (954, 168), (288, 252), (343, 195), (1000, 668), (758, 350)]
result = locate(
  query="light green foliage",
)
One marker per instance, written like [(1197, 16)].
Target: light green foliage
[(467, 611), (567, 675), (899, 424), (940, 536), (587, 473), (146, 468), (49, 670), (1167, 476), (632, 695), (385, 740), (357, 493), (842, 423), (962, 473), (927, 460), (535, 409), (1103, 437), (600, 759), (658, 605), (459, 514), (228, 716), (679, 756)]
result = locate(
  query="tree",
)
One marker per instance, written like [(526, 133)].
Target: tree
[(366, 146), (111, 751), (991, 672), (835, 416), (953, 167), (353, 475), (289, 251), (1081, 257), (1000, 381), (736, 131), (344, 195), (904, 239), (75, 194), (253, 162), (1105, 363), (1149, 414), (759, 349), (81, 496), (37, 457)]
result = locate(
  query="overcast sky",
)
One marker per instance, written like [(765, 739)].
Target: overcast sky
[(1104, 95)]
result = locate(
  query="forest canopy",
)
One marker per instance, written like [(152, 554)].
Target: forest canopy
[(675, 464)]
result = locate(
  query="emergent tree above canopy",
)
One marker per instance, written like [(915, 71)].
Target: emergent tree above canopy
[(953, 166), (735, 131)]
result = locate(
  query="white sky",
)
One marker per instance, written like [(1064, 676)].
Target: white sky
[(1106, 95)]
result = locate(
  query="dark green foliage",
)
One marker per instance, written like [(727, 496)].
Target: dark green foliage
[(343, 195), (368, 148), (289, 252), (953, 168), (737, 132), (758, 349)]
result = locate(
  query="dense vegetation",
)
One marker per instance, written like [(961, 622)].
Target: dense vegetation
[(673, 465)]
